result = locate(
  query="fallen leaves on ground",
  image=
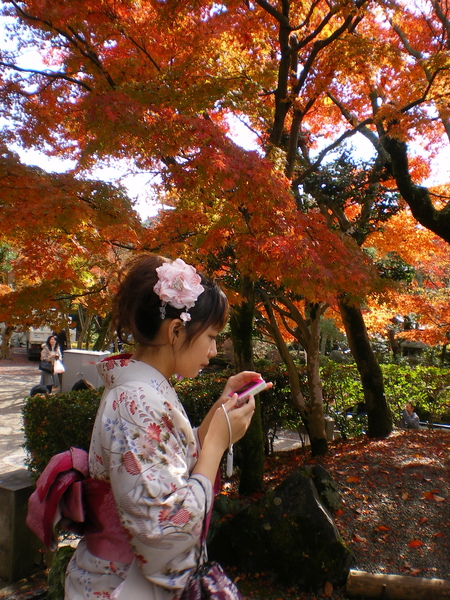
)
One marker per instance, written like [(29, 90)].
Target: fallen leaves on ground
[(396, 505)]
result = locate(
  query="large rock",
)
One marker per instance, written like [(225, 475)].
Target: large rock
[(289, 533)]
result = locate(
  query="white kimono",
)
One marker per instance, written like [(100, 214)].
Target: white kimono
[(143, 444)]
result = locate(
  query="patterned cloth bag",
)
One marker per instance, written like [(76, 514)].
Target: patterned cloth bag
[(211, 581)]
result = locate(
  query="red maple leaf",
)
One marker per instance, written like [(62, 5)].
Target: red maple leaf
[(415, 544)]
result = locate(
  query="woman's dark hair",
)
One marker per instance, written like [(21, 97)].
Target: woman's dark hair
[(136, 308), (38, 389), (47, 343), (82, 384)]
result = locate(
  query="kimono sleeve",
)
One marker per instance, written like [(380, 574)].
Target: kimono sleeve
[(151, 449)]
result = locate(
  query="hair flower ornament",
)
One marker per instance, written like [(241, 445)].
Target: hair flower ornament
[(179, 285)]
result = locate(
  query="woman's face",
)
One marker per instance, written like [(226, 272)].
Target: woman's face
[(195, 357), (52, 341)]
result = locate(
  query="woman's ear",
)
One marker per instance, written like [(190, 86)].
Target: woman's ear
[(175, 330)]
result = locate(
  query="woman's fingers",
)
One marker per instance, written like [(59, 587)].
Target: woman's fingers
[(240, 418), (236, 381)]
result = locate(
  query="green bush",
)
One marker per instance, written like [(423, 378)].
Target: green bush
[(342, 394), (197, 395), (57, 573), (427, 388), (277, 408), (54, 422)]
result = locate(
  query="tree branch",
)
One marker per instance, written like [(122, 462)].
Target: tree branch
[(48, 74), (416, 196)]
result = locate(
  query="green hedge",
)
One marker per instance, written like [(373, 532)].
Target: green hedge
[(428, 388), (198, 394), (55, 422)]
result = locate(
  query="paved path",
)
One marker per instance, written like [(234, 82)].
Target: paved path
[(17, 377)]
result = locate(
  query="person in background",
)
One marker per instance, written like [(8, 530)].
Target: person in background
[(38, 389), (82, 384), (61, 340), (410, 419), (50, 352)]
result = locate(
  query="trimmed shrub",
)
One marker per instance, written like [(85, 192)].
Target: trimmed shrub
[(57, 573), (427, 388), (54, 422)]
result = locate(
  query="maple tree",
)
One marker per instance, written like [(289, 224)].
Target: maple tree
[(156, 87), (352, 198), (66, 234), (298, 94), (422, 286)]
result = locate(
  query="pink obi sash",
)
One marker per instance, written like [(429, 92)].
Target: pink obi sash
[(66, 495)]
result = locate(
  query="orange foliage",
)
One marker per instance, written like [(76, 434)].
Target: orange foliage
[(426, 296), (67, 237), (157, 86)]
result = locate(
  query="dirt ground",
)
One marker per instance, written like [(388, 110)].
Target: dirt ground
[(396, 506)]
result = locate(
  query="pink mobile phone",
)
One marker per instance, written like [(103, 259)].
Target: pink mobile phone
[(250, 388)]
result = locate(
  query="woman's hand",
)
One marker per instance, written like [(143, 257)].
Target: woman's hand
[(236, 381), (214, 433), (217, 438), (239, 416)]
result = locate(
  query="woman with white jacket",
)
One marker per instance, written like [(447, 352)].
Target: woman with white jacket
[(50, 352)]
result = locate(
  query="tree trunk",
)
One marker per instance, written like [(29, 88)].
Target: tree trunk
[(395, 345), (417, 197), (6, 338), (378, 413), (252, 444), (316, 426), (294, 379), (443, 354), (85, 323), (309, 338), (103, 333), (68, 340)]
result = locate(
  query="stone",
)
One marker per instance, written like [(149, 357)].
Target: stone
[(19, 548), (326, 487), (289, 534)]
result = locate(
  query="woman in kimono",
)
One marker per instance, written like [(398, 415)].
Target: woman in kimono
[(153, 473)]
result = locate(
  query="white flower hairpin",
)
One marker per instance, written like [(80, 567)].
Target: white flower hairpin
[(179, 286)]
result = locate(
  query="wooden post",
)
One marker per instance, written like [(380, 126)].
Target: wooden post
[(396, 587)]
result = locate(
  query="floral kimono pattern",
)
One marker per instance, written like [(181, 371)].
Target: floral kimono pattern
[(144, 445)]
